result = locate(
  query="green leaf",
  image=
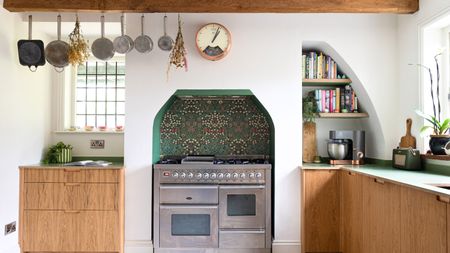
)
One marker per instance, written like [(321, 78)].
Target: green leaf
[(445, 125), (424, 129), (427, 117)]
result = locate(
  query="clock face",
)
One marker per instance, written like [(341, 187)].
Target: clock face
[(213, 41)]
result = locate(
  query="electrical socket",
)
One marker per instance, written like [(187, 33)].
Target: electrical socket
[(98, 144), (10, 228)]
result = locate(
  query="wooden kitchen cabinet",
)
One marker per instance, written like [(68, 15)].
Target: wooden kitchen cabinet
[(321, 205), (352, 215), (71, 209), (423, 222), (381, 210)]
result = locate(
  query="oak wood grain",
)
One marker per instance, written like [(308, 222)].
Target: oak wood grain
[(352, 215), (381, 209), (216, 6), (322, 211), (423, 222)]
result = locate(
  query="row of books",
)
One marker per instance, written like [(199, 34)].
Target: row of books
[(318, 66), (336, 100)]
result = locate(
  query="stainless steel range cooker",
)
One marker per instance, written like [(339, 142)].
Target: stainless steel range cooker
[(212, 206)]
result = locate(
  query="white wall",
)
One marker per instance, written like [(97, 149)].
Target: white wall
[(408, 42), (266, 58), (25, 120)]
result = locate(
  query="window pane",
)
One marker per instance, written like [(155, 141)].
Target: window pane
[(81, 69), (101, 108), (91, 95), (91, 68), (80, 121), (91, 81), (101, 68), (101, 81), (120, 94), (120, 107), (101, 120), (101, 94), (111, 68), (81, 94), (111, 94), (81, 108), (120, 81), (90, 120), (111, 81), (121, 68), (110, 120), (110, 107), (120, 120), (81, 81), (90, 107)]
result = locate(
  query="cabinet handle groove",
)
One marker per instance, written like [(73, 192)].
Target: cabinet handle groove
[(71, 184), (72, 211), (379, 181), (443, 199), (72, 170)]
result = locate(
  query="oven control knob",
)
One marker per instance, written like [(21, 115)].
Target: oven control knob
[(251, 175), (242, 175), (220, 175), (235, 175), (175, 175), (258, 175), (198, 175), (205, 175), (182, 175), (228, 175), (213, 176), (190, 175)]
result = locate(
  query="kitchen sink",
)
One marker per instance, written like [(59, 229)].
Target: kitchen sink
[(443, 186)]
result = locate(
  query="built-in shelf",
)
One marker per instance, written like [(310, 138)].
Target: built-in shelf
[(344, 115), (325, 82)]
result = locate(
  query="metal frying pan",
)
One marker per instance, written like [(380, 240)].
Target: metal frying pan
[(103, 48), (123, 44), (57, 51), (165, 42), (31, 52), (143, 43)]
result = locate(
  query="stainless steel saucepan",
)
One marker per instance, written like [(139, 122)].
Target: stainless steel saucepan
[(143, 43), (124, 43), (165, 42)]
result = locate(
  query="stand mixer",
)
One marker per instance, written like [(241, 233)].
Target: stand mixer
[(346, 147)]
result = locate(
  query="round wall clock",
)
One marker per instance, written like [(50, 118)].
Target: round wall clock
[(213, 41)]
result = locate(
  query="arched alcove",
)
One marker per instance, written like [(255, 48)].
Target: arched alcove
[(371, 125)]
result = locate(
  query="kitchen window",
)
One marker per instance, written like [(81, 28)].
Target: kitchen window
[(100, 94)]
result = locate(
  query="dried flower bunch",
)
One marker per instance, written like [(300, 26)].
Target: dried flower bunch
[(178, 55), (78, 46)]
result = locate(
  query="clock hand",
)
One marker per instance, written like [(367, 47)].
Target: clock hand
[(215, 35)]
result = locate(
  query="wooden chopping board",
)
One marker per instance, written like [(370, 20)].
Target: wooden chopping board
[(408, 140), (309, 142)]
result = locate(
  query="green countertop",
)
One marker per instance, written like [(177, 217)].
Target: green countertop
[(61, 166), (416, 179)]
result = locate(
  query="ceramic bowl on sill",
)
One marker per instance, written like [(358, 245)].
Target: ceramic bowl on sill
[(88, 128)]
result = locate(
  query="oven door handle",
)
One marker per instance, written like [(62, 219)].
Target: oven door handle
[(174, 186), (242, 187), (188, 206), (242, 231)]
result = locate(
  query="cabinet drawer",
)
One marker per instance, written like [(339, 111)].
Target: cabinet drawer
[(189, 194), (71, 196), (242, 239), (71, 175), (60, 231)]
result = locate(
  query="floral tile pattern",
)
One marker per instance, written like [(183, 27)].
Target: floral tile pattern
[(216, 126)]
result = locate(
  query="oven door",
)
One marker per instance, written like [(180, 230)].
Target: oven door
[(193, 226), (242, 206)]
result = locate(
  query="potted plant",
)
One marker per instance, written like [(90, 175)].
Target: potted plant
[(58, 153), (439, 127), (309, 127)]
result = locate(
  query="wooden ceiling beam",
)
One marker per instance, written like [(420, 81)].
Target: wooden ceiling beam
[(215, 6)]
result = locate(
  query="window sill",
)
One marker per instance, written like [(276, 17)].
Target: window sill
[(88, 132)]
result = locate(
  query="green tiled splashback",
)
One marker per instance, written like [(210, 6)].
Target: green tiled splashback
[(220, 125)]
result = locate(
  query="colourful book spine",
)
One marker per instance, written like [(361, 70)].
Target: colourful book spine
[(355, 104), (317, 98), (319, 66), (338, 100), (327, 101), (323, 99)]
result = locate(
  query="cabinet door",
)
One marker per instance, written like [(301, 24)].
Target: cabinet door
[(352, 215), (423, 222), (71, 231), (322, 210), (381, 210)]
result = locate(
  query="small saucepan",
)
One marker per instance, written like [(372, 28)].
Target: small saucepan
[(103, 48), (123, 44), (31, 52), (143, 43), (57, 51), (165, 42)]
